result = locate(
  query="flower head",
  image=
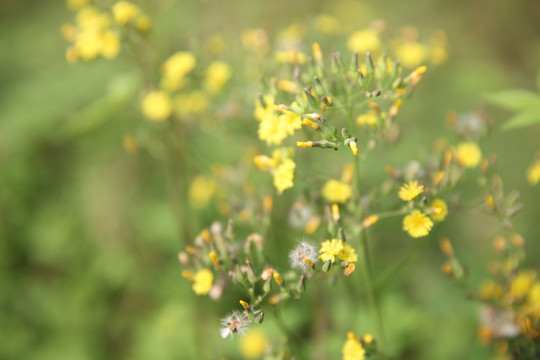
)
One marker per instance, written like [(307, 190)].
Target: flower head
[(303, 256), (202, 281), (468, 154), (284, 175), (417, 224), (124, 12), (217, 75), (236, 323), (157, 106), (411, 190), (330, 249), (252, 345), (439, 210), (335, 191), (364, 40), (353, 349), (348, 254), (176, 68)]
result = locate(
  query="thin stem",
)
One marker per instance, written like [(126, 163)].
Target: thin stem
[(370, 291)]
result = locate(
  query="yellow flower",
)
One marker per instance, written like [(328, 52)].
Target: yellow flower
[(468, 154), (252, 345), (369, 118), (335, 191), (143, 23), (348, 254), (522, 284), (157, 106), (330, 249), (533, 173), (365, 40), (110, 46), (255, 40), (284, 175), (439, 210), (90, 19), (273, 129), (201, 190), (353, 349), (490, 290), (417, 224), (287, 86), (438, 55), (411, 190), (89, 45), (411, 54), (217, 75), (291, 120), (124, 12), (202, 281), (175, 68)]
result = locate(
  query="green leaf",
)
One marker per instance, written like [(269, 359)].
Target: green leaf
[(523, 119), (538, 80), (516, 99)]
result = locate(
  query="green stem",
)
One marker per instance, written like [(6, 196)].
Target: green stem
[(370, 291)]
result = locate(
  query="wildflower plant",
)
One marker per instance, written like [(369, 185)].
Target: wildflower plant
[(319, 117)]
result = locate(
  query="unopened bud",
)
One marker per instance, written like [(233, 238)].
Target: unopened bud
[(245, 305), (370, 220), (277, 278), (327, 265), (446, 247), (317, 53), (335, 212), (304, 144), (260, 318), (215, 259)]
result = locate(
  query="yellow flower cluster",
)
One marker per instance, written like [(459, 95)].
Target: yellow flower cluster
[(202, 280), (281, 166), (353, 349), (332, 248), (335, 191), (93, 36), (158, 105), (276, 122)]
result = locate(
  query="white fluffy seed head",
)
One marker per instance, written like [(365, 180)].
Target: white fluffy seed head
[(300, 253), (235, 323)]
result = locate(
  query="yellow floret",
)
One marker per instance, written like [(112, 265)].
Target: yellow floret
[(157, 106), (284, 175), (468, 154), (217, 75), (335, 191), (417, 224), (202, 281), (124, 12)]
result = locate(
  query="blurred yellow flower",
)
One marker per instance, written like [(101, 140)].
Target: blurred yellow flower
[(411, 54), (201, 191), (438, 55), (439, 210), (330, 249), (364, 40), (287, 86), (273, 129), (202, 281), (175, 68), (255, 40), (411, 190), (89, 45), (348, 254), (253, 344), (284, 175), (217, 75), (335, 191), (124, 12), (353, 349), (522, 284), (369, 118), (468, 154), (143, 23), (417, 224), (110, 46), (90, 19), (533, 173), (157, 105)]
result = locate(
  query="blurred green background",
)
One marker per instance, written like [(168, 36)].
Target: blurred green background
[(89, 233)]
